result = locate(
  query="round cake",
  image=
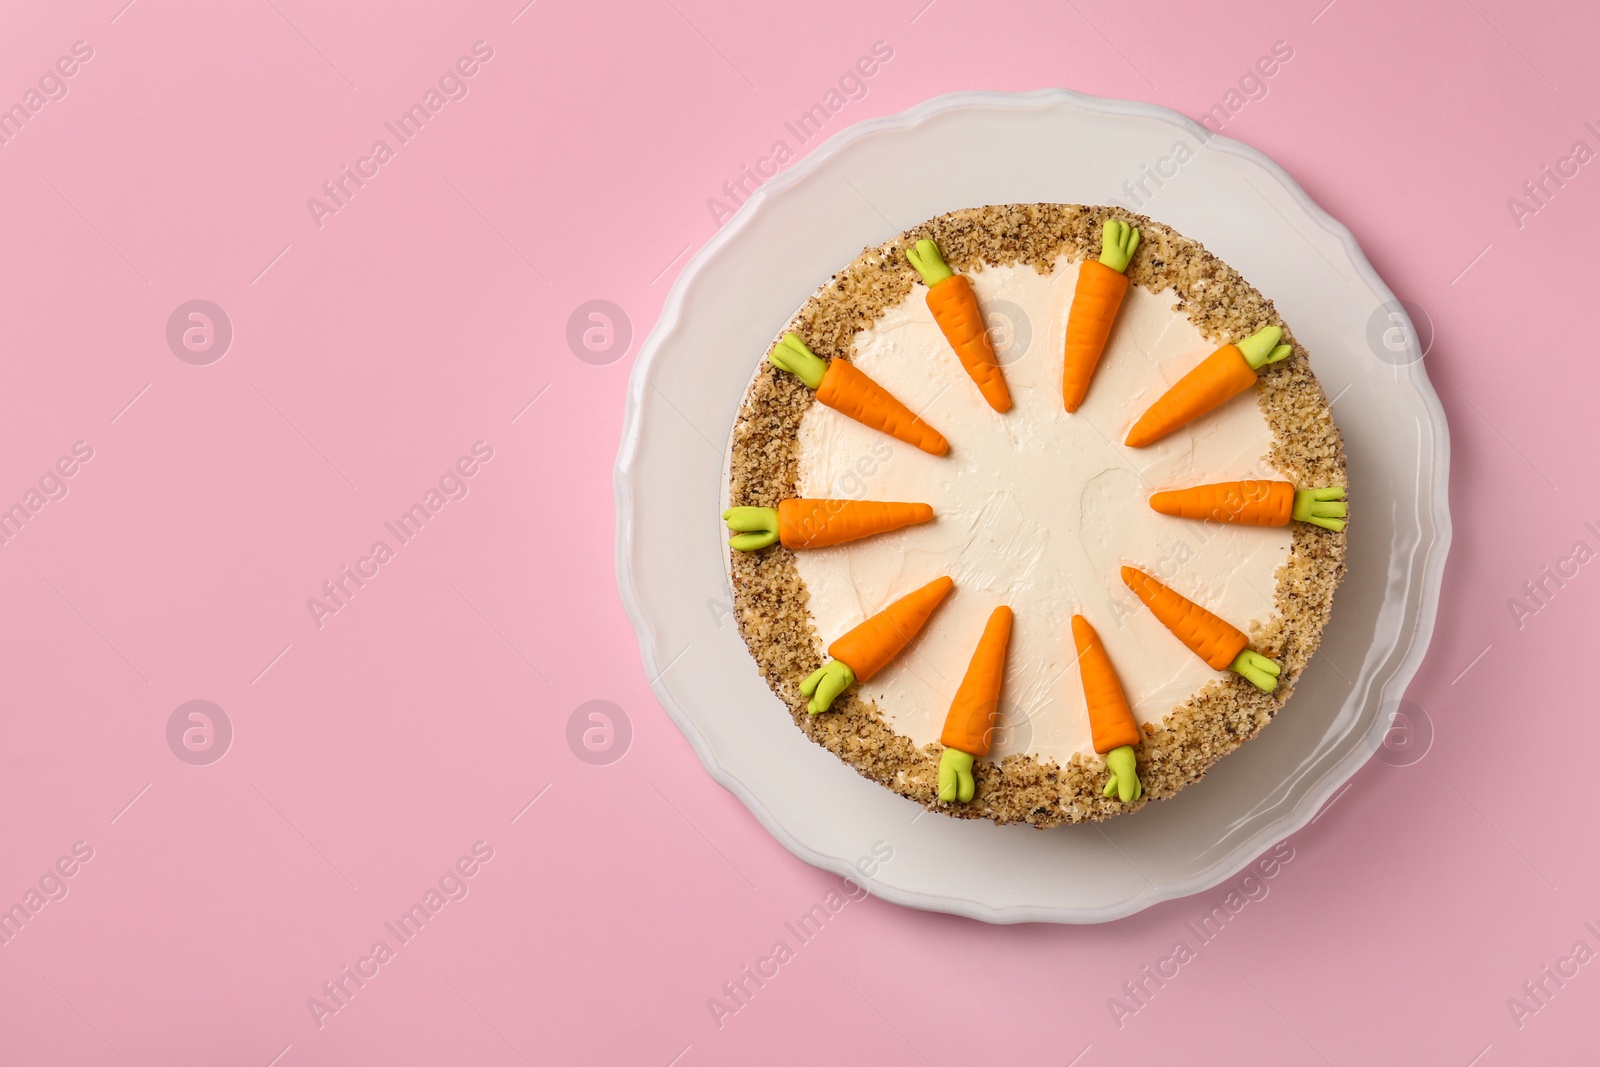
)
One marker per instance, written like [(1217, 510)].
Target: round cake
[(1038, 513)]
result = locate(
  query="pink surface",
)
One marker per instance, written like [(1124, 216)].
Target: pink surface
[(375, 746)]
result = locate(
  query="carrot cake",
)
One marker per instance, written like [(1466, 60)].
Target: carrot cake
[(1035, 512)]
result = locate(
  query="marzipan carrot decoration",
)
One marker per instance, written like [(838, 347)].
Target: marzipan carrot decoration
[(1101, 285), (1222, 646), (1226, 373), (851, 392), (801, 523), (974, 712), (868, 648), (955, 309), (1252, 503), (1110, 719)]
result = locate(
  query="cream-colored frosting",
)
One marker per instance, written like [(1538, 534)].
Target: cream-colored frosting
[(1037, 509)]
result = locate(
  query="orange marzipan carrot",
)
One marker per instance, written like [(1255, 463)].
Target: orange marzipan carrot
[(955, 309), (1110, 719), (1221, 375), (1207, 636), (851, 392), (804, 523), (869, 647), (1094, 308), (976, 708), (1247, 503)]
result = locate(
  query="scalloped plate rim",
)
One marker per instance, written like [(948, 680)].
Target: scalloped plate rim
[(1309, 801)]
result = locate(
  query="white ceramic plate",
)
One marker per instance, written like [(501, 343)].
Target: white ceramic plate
[(868, 184)]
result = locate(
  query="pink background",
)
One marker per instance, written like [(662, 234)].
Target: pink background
[(370, 352)]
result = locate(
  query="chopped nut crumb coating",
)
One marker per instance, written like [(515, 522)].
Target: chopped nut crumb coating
[(770, 599)]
